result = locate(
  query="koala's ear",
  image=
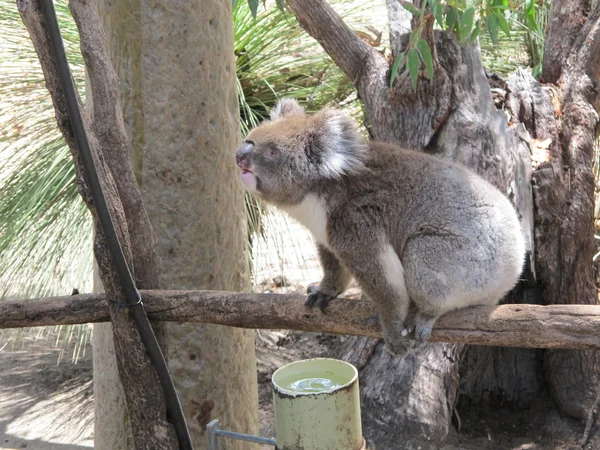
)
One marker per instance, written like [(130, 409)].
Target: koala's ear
[(287, 107), (344, 149)]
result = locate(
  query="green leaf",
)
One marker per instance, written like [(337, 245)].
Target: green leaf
[(451, 18), (411, 8), (399, 60), (530, 15), (253, 4), (413, 66), (491, 21), (438, 12), (466, 23), (475, 33), (503, 23), (280, 4), (499, 4), (425, 54), (415, 35)]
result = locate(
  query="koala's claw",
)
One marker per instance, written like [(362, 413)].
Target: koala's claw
[(423, 327), (312, 288), (317, 298), (399, 347), (372, 321)]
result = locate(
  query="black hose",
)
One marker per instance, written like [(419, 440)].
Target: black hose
[(132, 295)]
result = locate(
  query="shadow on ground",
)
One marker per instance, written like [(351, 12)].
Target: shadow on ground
[(44, 405)]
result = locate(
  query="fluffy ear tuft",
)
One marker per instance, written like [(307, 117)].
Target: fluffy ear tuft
[(287, 107), (344, 150)]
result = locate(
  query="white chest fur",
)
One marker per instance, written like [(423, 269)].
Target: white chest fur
[(311, 213)]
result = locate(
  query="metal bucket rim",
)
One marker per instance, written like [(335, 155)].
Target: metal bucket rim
[(287, 392)]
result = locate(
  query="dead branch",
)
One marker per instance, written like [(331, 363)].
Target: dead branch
[(348, 51), (534, 326)]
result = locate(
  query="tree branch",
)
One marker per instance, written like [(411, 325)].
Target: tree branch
[(533, 326), (351, 54), (144, 395), (566, 19), (108, 127)]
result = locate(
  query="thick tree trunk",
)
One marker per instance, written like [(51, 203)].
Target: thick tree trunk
[(178, 74), (196, 205), (568, 116), (453, 116)]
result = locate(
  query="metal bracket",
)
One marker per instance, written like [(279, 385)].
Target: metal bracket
[(213, 431)]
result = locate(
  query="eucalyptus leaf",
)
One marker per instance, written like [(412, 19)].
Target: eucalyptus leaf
[(451, 18), (438, 12), (413, 66), (530, 15), (503, 23), (466, 23), (425, 54), (475, 33), (411, 8), (396, 66), (253, 4), (491, 21)]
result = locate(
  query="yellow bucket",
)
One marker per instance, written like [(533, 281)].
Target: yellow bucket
[(317, 406)]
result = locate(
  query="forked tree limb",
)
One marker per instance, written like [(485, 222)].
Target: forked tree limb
[(108, 143), (350, 53), (534, 326)]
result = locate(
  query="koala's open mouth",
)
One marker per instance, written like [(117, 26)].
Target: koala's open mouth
[(248, 179)]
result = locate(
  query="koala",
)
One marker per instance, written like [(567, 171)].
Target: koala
[(409, 227)]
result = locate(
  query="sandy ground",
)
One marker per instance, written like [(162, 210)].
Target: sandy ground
[(44, 405)]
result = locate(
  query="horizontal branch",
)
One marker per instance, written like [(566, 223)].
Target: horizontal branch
[(556, 326)]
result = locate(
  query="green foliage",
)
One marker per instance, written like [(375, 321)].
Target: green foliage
[(425, 55), (466, 19), (45, 229), (418, 48), (276, 58)]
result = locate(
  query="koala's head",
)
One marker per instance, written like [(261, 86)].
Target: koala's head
[(283, 158)]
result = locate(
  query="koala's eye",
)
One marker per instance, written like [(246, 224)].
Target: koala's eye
[(272, 151)]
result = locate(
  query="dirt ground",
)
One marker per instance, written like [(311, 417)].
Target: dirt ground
[(49, 406), (44, 405)]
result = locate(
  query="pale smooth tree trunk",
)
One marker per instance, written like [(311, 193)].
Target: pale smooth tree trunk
[(177, 72)]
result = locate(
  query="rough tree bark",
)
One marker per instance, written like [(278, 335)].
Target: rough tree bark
[(110, 148), (565, 187), (177, 72), (453, 116)]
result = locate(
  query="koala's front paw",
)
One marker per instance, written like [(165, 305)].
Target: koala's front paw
[(423, 326), (318, 298)]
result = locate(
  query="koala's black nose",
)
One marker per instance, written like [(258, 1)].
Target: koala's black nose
[(243, 153)]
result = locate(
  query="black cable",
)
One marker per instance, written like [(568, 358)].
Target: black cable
[(132, 295)]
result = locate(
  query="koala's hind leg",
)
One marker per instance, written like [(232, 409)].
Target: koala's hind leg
[(335, 280), (380, 274), (439, 273)]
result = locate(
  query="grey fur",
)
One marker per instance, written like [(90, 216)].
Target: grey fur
[(408, 226)]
